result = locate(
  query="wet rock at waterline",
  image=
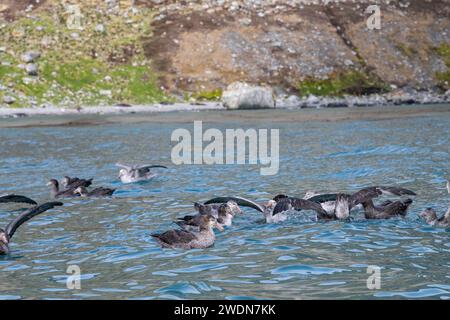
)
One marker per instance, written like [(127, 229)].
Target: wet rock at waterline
[(241, 95)]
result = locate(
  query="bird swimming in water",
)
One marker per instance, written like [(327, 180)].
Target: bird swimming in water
[(224, 215), (97, 192), (16, 198), (344, 203), (297, 204), (56, 193), (326, 200), (431, 217), (213, 208), (273, 210), (130, 174), (7, 233), (72, 183), (183, 239)]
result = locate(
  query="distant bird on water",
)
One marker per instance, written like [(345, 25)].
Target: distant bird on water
[(273, 210), (97, 192), (431, 217), (7, 233), (136, 173), (71, 183), (223, 213), (56, 193), (344, 203)]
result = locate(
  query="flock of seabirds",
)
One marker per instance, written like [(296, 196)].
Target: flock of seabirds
[(197, 231)]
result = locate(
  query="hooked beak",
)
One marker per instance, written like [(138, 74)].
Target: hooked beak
[(4, 239), (4, 248)]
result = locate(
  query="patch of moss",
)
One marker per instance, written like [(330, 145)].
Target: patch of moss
[(350, 82), (73, 75), (443, 78), (406, 50), (80, 70), (444, 51), (214, 95), (138, 85)]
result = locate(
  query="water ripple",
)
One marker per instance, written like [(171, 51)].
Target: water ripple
[(109, 239)]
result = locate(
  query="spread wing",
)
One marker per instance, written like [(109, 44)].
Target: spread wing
[(321, 198), (240, 201), (79, 183), (16, 198), (396, 191), (298, 204), (369, 193), (146, 168), (126, 167), (27, 215), (364, 195)]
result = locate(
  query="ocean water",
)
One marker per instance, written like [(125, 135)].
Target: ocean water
[(109, 239)]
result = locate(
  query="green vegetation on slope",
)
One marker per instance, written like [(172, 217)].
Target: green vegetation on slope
[(444, 77), (102, 63), (351, 82)]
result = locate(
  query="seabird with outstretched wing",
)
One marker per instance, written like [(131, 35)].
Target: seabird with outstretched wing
[(7, 233), (136, 173)]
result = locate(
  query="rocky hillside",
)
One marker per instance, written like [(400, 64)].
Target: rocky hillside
[(146, 51)]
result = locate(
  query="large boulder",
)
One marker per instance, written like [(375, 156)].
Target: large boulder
[(241, 95)]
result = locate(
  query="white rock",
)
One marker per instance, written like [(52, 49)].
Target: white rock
[(312, 99), (31, 69), (9, 99), (289, 102), (100, 28), (241, 95), (30, 56)]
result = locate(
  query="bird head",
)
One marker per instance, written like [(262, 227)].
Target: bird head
[(210, 222), (278, 197), (52, 182), (4, 241), (428, 214), (271, 204), (234, 207), (122, 172)]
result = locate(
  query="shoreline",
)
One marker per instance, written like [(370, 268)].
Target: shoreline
[(214, 113), (53, 111)]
